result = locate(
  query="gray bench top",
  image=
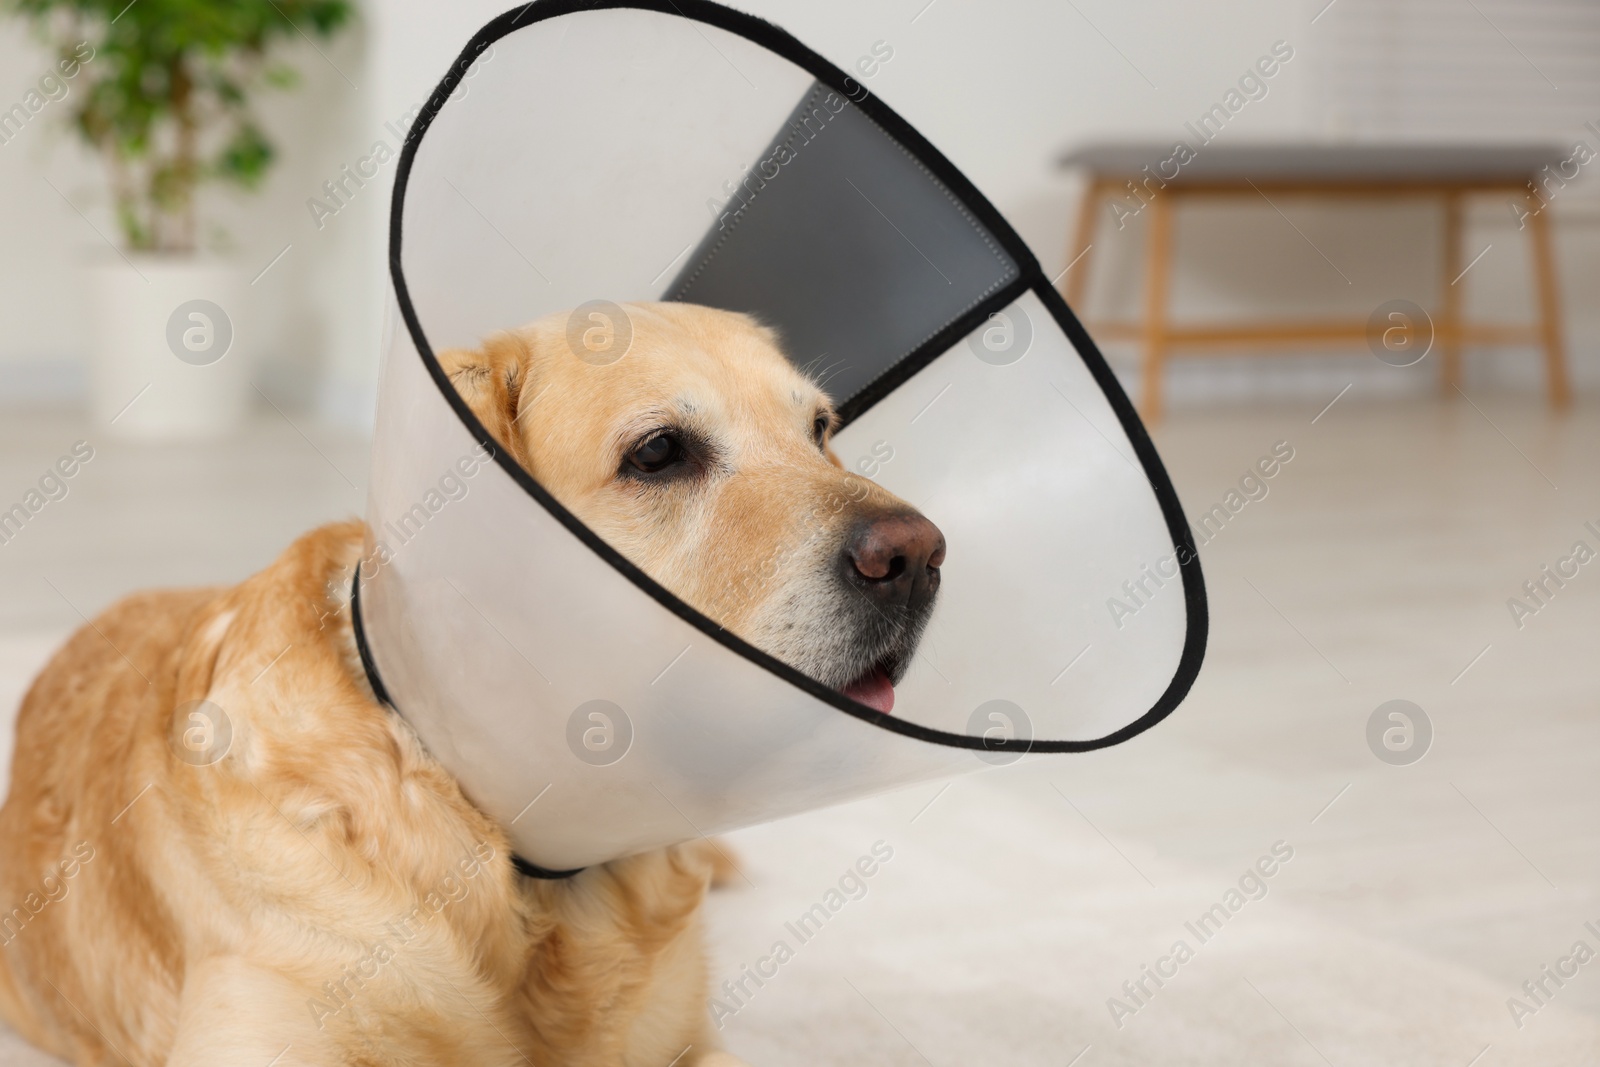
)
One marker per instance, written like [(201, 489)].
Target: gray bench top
[(1320, 161)]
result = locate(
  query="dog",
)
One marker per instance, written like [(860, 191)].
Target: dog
[(323, 893)]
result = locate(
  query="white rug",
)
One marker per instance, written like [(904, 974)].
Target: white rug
[(999, 931), (1006, 920)]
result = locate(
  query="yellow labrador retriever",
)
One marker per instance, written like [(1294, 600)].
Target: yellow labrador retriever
[(324, 894)]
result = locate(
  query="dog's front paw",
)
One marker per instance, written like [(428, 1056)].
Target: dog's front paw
[(720, 1059)]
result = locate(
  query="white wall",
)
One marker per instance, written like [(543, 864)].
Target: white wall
[(1001, 87)]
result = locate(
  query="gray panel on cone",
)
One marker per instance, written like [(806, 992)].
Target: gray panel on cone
[(846, 244), (585, 708)]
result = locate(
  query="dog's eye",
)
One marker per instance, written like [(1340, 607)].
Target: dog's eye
[(656, 454), (819, 429)]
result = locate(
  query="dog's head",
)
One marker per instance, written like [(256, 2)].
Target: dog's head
[(703, 456)]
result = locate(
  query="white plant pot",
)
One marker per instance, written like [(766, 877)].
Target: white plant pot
[(170, 358)]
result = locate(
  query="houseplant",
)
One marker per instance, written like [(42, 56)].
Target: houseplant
[(162, 94)]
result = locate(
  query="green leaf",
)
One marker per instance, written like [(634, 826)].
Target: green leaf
[(161, 69), (246, 158), (281, 76)]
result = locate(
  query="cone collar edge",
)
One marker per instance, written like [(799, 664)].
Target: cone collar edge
[(1030, 278)]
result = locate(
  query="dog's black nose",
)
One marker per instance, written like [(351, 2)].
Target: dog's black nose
[(895, 559)]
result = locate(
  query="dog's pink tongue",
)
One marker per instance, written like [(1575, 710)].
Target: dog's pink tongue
[(874, 690)]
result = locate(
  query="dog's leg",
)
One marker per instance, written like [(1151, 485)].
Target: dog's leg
[(719, 1059), (723, 860), (236, 1014)]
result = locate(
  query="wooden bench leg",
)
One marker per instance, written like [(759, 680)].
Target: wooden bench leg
[(1447, 331), (1549, 292), (1157, 275), (1076, 281)]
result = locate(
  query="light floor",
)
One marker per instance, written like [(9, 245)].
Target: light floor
[(1418, 898)]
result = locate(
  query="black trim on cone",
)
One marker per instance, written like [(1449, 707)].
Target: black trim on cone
[(367, 665), (780, 42), (913, 362), (532, 870)]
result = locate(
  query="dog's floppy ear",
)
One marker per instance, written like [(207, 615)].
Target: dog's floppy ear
[(491, 380)]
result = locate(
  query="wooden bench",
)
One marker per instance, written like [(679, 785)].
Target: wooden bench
[(1446, 174)]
